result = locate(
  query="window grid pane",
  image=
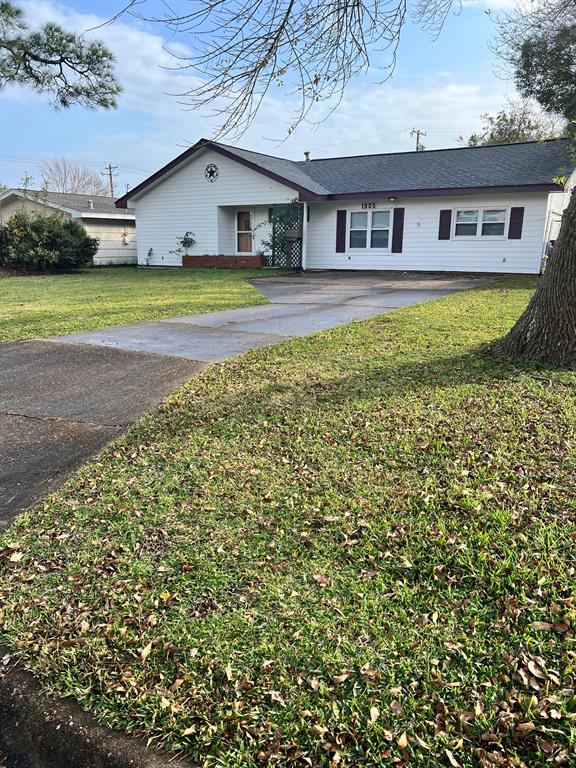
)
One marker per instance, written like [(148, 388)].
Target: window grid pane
[(379, 238), (494, 216), (466, 217), (466, 230), (380, 219), (358, 221), (358, 238), (496, 228)]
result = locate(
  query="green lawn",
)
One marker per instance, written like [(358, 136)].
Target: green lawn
[(35, 307), (356, 548)]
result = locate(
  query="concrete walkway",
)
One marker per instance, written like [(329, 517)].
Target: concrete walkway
[(63, 399)]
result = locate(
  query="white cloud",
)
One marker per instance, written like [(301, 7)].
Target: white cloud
[(380, 118), (372, 118), (493, 5), (144, 66)]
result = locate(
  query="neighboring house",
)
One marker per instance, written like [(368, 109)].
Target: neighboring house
[(115, 229), (473, 209)]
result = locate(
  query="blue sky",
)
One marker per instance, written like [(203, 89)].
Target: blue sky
[(440, 86)]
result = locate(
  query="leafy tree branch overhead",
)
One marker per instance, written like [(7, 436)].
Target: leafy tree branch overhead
[(64, 65), (545, 71), (521, 121)]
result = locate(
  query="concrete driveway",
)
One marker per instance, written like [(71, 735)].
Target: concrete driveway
[(301, 304), (63, 399), (61, 403)]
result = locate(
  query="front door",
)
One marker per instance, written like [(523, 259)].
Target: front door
[(244, 235)]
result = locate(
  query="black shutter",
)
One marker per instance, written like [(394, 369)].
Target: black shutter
[(445, 224), (516, 221), (398, 230), (340, 231)]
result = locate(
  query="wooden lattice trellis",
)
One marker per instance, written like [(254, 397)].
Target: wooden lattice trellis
[(287, 221)]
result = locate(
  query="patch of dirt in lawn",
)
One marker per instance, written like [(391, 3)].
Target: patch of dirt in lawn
[(6, 272)]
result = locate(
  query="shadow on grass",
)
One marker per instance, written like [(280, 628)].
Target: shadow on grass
[(473, 368), (266, 396)]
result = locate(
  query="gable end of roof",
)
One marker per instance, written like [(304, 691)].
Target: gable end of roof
[(202, 144)]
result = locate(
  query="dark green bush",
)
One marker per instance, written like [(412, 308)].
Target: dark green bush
[(39, 242)]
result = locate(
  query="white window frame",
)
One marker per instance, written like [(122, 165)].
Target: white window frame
[(369, 228), (237, 231), (479, 235)]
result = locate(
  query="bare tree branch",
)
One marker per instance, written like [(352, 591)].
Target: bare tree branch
[(61, 176), (528, 20), (245, 50)]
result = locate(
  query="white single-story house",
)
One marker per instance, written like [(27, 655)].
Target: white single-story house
[(114, 228), (471, 209)]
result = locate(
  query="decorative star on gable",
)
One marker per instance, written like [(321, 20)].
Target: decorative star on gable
[(211, 172)]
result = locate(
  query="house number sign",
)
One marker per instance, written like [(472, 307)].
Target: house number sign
[(368, 206)]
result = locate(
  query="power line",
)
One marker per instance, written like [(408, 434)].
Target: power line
[(39, 159)]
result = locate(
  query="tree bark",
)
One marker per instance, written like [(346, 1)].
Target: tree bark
[(546, 331)]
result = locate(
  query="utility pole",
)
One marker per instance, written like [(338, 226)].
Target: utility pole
[(417, 132), (109, 171)]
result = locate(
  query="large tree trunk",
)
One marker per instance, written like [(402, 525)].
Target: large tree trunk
[(547, 329)]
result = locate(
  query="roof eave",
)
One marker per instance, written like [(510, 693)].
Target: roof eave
[(122, 202), (441, 192), (104, 215)]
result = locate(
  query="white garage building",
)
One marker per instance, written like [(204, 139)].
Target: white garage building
[(115, 229), (470, 209)]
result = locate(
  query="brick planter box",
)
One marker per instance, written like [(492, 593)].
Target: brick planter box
[(228, 262)]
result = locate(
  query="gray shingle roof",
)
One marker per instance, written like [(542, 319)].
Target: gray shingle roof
[(75, 202), (499, 165), (527, 164), (488, 166)]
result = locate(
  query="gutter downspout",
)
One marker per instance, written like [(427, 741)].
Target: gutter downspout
[(304, 235)]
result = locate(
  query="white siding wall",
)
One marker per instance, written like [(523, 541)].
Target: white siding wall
[(226, 224), (421, 249), (117, 240), (9, 208), (185, 201), (557, 204)]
